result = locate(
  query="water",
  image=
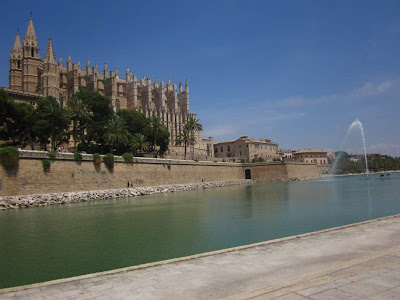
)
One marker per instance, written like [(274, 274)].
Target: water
[(40, 244), (356, 123)]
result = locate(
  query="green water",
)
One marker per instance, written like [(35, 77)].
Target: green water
[(40, 244)]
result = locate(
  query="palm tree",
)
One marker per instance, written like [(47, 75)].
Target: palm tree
[(139, 143), (155, 125), (52, 110), (116, 132), (193, 126), (78, 112), (184, 138)]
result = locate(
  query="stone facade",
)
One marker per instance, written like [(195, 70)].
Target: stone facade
[(248, 148), (31, 78), (318, 157)]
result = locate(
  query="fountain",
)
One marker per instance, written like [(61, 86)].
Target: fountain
[(355, 124)]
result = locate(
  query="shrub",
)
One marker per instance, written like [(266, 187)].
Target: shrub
[(242, 160), (223, 160), (9, 157), (234, 160), (77, 156), (260, 159), (46, 165), (96, 158), (52, 154), (109, 160), (169, 166), (196, 160), (128, 157)]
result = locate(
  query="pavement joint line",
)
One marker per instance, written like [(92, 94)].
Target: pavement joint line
[(191, 257), (298, 283), (299, 287)]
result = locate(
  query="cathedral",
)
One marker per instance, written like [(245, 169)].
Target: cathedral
[(32, 78)]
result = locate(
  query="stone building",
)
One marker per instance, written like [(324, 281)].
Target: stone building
[(318, 157), (247, 148), (31, 78)]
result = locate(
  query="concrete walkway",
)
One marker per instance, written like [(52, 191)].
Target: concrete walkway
[(359, 261)]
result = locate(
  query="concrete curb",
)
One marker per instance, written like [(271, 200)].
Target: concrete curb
[(195, 256)]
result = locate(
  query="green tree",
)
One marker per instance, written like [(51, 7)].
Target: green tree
[(48, 108), (116, 132), (184, 138), (79, 113), (101, 113), (140, 143), (193, 126), (155, 125)]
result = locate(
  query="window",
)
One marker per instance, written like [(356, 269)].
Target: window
[(118, 105), (247, 146), (229, 148), (32, 52), (240, 153), (216, 150), (222, 149), (19, 64)]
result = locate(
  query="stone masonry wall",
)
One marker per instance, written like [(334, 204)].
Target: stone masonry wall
[(66, 175)]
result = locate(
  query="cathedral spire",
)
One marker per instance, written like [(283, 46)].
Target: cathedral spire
[(105, 70), (17, 49), (30, 35), (180, 86), (50, 57), (88, 67), (186, 86), (60, 63)]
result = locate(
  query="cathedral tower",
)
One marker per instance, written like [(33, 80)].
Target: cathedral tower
[(31, 62), (51, 73), (15, 74)]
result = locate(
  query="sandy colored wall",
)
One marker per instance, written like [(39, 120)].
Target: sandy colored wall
[(66, 175)]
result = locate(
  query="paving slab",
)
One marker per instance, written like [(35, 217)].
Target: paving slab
[(351, 262)]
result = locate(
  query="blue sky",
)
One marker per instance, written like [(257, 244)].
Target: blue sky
[(297, 72)]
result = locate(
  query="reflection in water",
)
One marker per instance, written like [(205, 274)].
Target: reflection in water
[(52, 242)]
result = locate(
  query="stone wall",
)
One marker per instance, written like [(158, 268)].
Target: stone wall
[(66, 175)]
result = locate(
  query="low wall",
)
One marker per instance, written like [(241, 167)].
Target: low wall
[(66, 175)]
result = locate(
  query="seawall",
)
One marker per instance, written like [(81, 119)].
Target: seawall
[(66, 175)]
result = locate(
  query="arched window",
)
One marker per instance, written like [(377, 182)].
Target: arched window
[(32, 52), (118, 105), (19, 64)]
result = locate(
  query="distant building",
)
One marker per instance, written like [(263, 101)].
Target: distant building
[(331, 155), (247, 148), (286, 154), (318, 157)]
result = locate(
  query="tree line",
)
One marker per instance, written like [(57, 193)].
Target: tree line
[(344, 164), (88, 120)]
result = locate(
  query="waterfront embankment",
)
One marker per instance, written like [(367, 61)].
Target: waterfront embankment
[(354, 261), (37, 200), (63, 174)]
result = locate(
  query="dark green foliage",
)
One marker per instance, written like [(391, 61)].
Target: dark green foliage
[(100, 115), (128, 157), (109, 160), (9, 157), (77, 156), (242, 160), (276, 159), (344, 165), (49, 109), (260, 159), (46, 165), (52, 154), (169, 166), (96, 158)]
